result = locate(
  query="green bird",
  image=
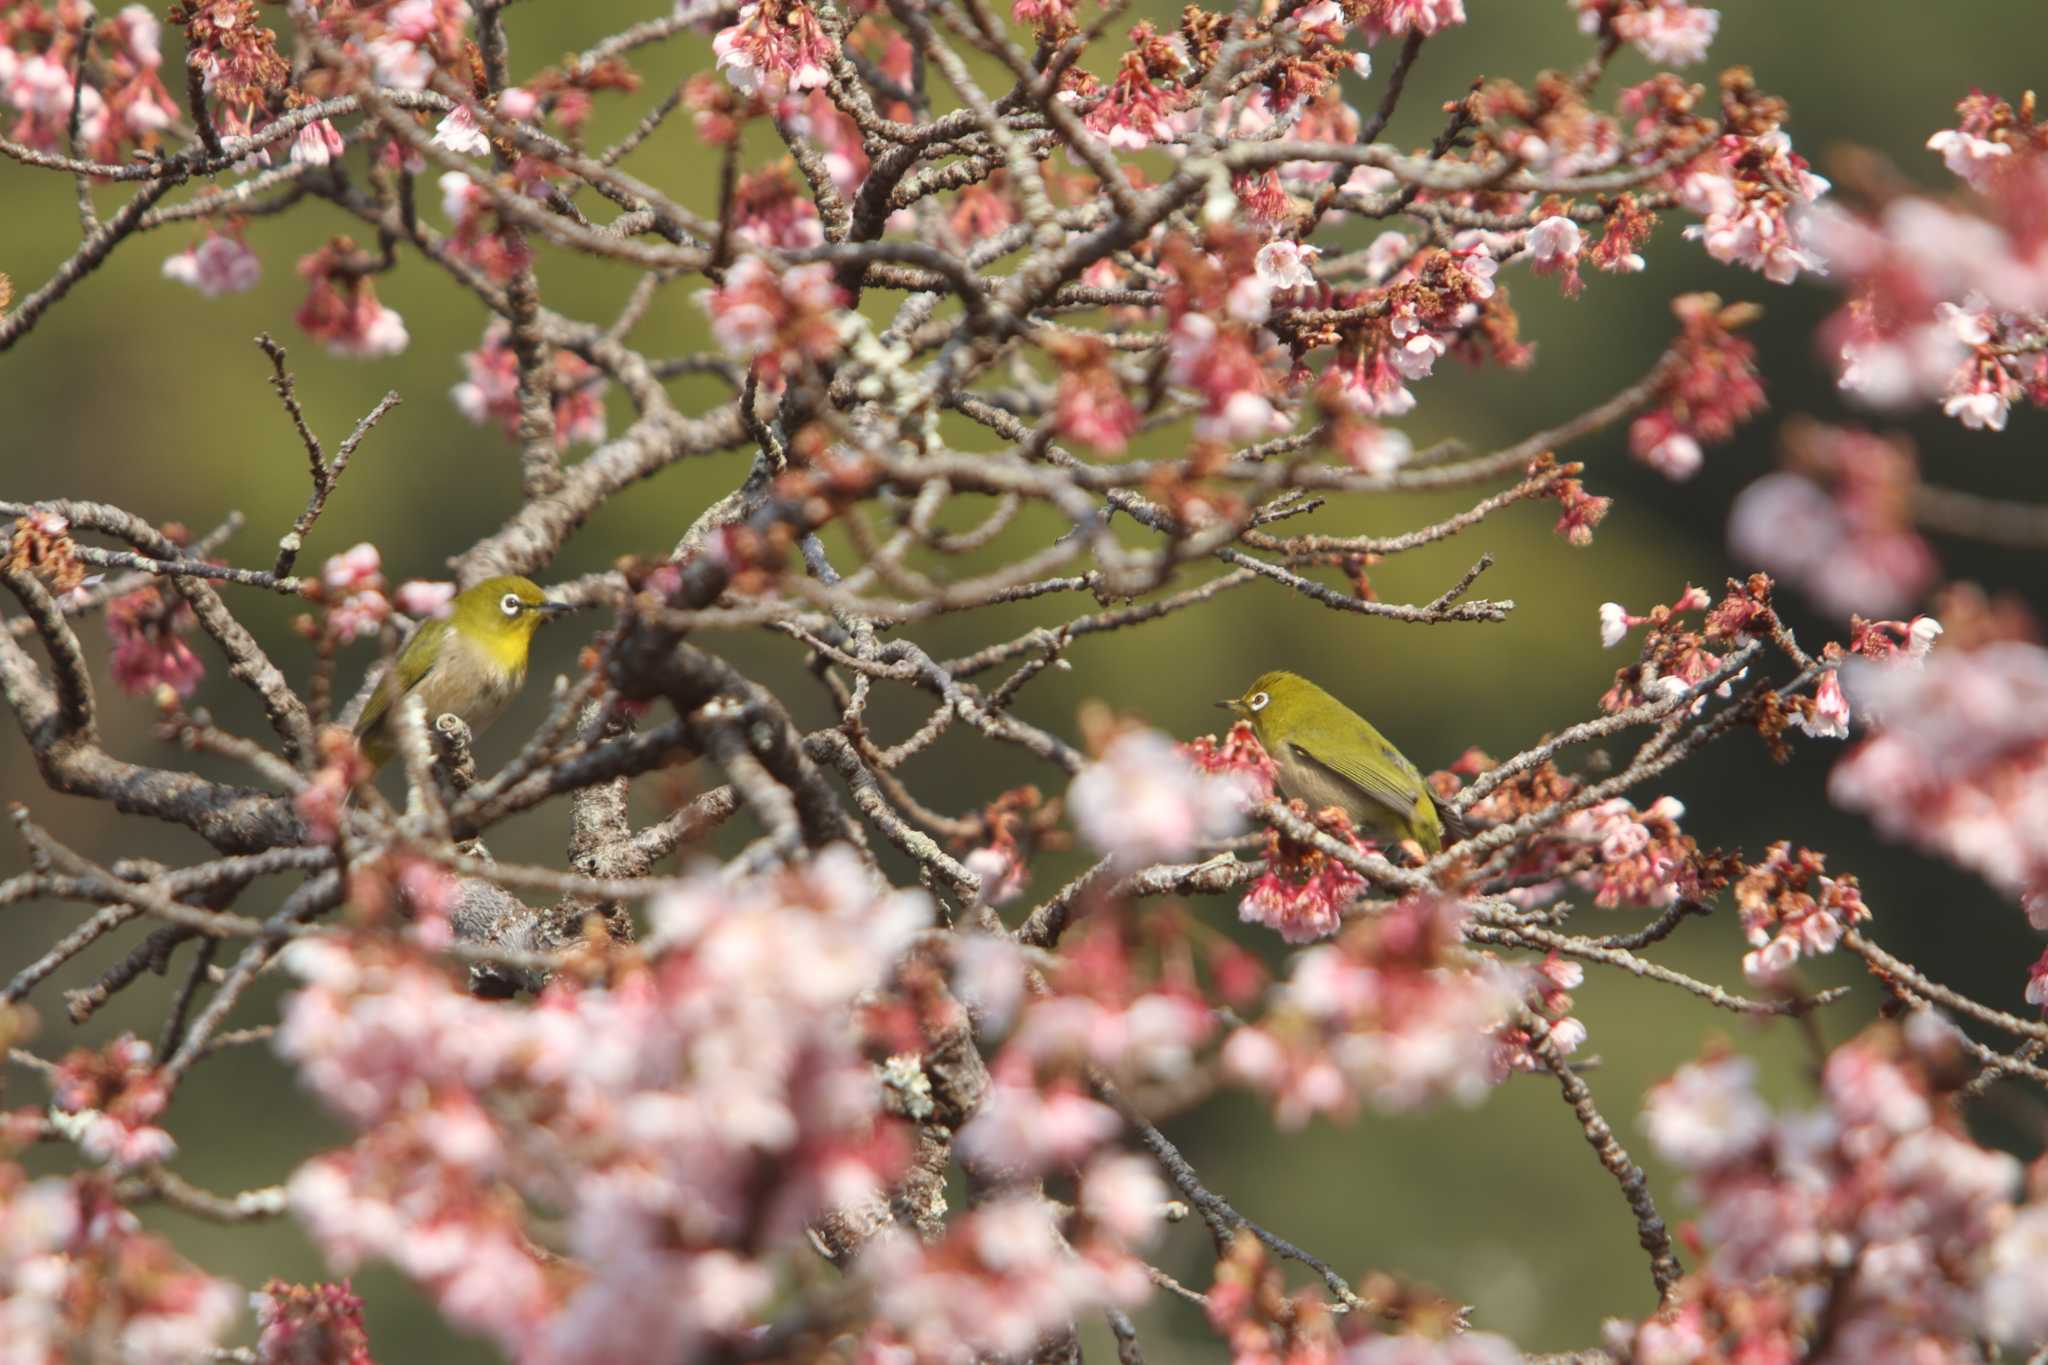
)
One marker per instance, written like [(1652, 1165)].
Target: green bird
[(468, 663), (1329, 755)]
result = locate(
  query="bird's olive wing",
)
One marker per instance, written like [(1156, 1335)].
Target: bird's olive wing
[(415, 660), (1394, 785)]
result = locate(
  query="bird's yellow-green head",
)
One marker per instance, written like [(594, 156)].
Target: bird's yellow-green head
[(1277, 702), (500, 616)]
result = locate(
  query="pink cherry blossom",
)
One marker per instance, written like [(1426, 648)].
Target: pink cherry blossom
[(360, 617), (1554, 245), (1848, 552), (221, 263), (1669, 32), (420, 598), (1001, 1280), (320, 804), (354, 569), (1124, 1195), (489, 394), (1830, 716), (1304, 891), (417, 35), (1137, 110), (1238, 758), (1144, 802), (1790, 910), (319, 1324), (1400, 17), (1219, 364), (775, 47), (1958, 759), (2015, 1289), (317, 144), (1380, 1015), (634, 1109), (341, 307), (1970, 158), (1287, 264), (776, 320), (1021, 1127), (1750, 196), (66, 1243), (460, 132), (1710, 389), (145, 627), (1614, 624), (1874, 1179), (108, 1101)]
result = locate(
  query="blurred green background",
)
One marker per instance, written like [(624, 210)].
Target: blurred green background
[(138, 391)]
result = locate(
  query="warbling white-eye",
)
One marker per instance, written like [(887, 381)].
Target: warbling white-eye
[(1329, 755), (468, 663)]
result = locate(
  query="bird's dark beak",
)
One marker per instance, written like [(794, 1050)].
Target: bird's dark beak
[(550, 610), (1229, 705)]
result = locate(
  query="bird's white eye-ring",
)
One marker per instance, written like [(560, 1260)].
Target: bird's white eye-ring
[(510, 604), (1258, 701)]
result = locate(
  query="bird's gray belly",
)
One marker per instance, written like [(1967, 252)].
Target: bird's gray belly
[(478, 695), (1318, 787)]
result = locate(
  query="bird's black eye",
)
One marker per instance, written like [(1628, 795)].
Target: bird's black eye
[(510, 604), (1258, 701)]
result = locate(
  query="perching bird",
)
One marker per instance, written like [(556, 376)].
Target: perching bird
[(1329, 755), (468, 663)]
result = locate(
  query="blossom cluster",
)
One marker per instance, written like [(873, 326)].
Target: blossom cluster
[(1007, 1275), (1432, 302), (79, 1277), (1144, 801), (310, 1324), (341, 309), (1948, 302), (121, 101), (351, 588), (236, 56), (1710, 388), (1304, 890), (1121, 1001), (218, 263), (476, 232), (1394, 1013), (1957, 761), (686, 1120), (1676, 656), (1790, 909), (775, 47), (1837, 521), (147, 629), (1619, 853), (1667, 32), (108, 1101), (1872, 1228), (776, 321), (490, 391)]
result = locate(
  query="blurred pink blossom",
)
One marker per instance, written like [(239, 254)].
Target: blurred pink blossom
[(1144, 802), (221, 263)]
